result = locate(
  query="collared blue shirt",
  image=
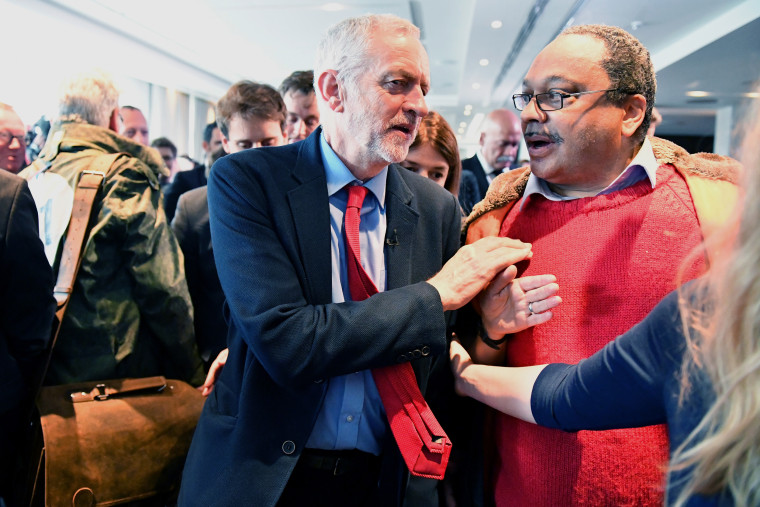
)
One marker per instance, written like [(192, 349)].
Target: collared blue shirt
[(644, 165), (352, 415)]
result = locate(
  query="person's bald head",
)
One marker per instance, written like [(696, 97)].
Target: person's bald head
[(500, 138)]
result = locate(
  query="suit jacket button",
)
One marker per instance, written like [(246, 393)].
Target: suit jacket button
[(401, 358), (319, 381), (288, 447), (425, 351), (417, 353)]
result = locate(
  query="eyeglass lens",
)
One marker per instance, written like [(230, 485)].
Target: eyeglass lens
[(6, 138), (549, 101)]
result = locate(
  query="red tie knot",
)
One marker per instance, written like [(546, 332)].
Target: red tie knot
[(356, 195)]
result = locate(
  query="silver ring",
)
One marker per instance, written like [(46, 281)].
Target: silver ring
[(530, 309)]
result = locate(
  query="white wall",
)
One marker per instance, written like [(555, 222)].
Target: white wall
[(43, 43)]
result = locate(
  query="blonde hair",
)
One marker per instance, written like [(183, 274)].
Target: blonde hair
[(721, 316)]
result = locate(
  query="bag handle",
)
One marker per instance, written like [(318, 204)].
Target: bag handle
[(120, 387)]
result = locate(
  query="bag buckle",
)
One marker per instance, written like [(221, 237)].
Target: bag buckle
[(98, 393)]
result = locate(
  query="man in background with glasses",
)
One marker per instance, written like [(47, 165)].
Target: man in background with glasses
[(12, 144), (613, 214)]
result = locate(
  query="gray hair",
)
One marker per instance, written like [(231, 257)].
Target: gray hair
[(89, 97), (345, 45)]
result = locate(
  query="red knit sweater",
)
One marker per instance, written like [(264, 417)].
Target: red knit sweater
[(615, 257)]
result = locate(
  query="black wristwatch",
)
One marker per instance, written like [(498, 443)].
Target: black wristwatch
[(494, 344)]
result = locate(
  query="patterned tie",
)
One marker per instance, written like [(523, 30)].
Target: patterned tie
[(421, 440)]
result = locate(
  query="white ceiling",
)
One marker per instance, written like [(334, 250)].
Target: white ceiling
[(696, 45)]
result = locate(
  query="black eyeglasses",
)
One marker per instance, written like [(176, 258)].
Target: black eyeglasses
[(7, 138), (549, 101)]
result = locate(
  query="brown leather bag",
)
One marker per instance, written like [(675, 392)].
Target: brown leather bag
[(116, 441)]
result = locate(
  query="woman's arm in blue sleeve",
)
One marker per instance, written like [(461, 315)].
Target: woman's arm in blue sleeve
[(620, 386)]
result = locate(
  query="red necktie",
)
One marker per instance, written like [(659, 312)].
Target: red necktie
[(421, 440)]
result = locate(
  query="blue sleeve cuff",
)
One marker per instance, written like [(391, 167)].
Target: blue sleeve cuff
[(544, 391)]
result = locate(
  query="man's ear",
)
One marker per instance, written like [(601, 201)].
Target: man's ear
[(225, 144), (114, 121), (330, 90), (634, 109), (482, 138)]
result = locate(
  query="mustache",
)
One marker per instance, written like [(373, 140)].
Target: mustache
[(555, 138), (410, 119)]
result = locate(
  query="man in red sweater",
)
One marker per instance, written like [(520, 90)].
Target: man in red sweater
[(614, 215)]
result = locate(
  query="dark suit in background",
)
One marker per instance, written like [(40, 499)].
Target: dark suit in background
[(469, 195), (26, 313), (472, 165), (183, 181), (191, 226), (271, 230)]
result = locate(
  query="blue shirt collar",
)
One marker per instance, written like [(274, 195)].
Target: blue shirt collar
[(338, 175), (644, 165)]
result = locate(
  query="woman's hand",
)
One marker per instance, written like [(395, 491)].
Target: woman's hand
[(213, 372), (506, 389), (460, 360)]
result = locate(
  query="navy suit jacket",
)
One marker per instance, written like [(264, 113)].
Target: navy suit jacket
[(184, 181), (469, 195), (270, 226), (472, 164), (27, 309)]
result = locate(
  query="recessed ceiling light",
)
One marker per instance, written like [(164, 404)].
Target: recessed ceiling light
[(462, 124), (332, 7), (468, 112), (483, 62), (496, 24), (752, 95), (476, 86), (468, 106), (697, 93)]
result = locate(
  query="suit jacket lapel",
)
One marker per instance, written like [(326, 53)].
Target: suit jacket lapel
[(401, 219), (311, 216), (480, 174)]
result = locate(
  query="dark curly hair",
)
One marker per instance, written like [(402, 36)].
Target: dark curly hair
[(628, 66)]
